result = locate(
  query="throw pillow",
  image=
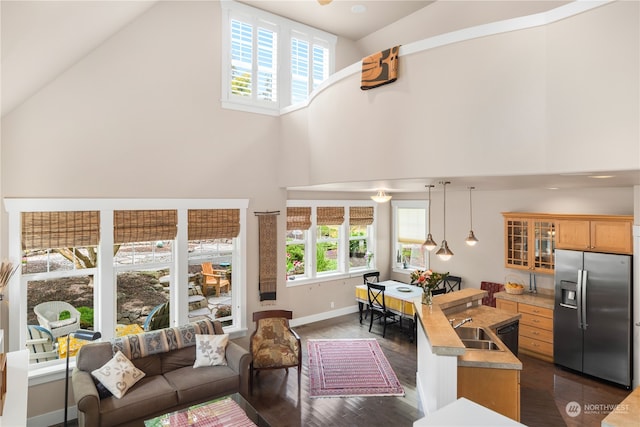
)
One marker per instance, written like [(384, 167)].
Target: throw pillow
[(118, 375), (210, 350)]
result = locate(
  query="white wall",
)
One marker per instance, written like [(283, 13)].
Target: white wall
[(555, 99)]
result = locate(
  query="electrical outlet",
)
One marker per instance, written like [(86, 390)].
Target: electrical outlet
[(332, 304)]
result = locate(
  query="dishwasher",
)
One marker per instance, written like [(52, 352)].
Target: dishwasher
[(508, 334)]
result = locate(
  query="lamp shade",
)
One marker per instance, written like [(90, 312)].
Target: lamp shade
[(381, 197), (444, 252), (429, 244), (87, 335), (471, 239)]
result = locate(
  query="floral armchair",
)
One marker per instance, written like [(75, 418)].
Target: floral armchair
[(274, 345)]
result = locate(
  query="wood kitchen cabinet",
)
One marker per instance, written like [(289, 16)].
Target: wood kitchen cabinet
[(611, 234), (536, 331), (535, 336), (529, 242), (496, 389)]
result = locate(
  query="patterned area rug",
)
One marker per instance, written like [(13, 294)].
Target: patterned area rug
[(344, 368)]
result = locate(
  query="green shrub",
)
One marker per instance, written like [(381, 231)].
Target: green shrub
[(86, 317), (64, 315)]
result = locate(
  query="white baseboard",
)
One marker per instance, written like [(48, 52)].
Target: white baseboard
[(323, 316), (52, 418)]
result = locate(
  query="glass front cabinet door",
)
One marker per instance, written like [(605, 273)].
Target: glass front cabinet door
[(529, 242)]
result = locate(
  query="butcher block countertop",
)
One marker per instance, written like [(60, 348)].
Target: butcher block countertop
[(459, 305)]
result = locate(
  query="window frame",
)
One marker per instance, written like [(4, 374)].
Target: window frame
[(285, 30), (344, 270), (407, 204), (105, 274)]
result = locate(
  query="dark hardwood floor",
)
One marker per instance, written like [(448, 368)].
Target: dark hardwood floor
[(545, 388)]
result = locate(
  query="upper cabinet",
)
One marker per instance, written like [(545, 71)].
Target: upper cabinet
[(529, 242), (595, 233)]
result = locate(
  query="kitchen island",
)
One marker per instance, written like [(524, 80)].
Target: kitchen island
[(448, 370)]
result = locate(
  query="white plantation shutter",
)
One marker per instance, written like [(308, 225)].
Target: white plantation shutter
[(267, 65), (309, 66), (320, 65), (241, 58), (412, 225), (253, 60), (300, 62)]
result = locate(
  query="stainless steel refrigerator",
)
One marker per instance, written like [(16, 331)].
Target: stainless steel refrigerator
[(593, 314)]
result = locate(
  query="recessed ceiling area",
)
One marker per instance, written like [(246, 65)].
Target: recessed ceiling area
[(343, 18), (541, 182)]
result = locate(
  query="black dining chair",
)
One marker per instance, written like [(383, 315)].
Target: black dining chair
[(373, 277), (450, 283), (378, 307)]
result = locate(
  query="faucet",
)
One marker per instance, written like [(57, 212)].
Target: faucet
[(462, 322)]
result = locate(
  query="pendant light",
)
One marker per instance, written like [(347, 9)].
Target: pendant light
[(381, 197), (471, 239), (429, 244), (444, 252)]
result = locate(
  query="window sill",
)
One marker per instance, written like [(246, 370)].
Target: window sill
[(329, 278)]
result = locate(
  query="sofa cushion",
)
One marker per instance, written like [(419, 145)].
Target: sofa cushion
[(178, 359), (150, 365), (143, 399), (203, 383), (118, 375)]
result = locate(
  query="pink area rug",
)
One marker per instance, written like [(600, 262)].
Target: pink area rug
[(346, 367)]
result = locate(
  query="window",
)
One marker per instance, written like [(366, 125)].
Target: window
[(410, 231), (327, 239), (270, 62), (115, 266)]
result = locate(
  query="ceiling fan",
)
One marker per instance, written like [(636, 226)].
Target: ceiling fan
[(324, 2)]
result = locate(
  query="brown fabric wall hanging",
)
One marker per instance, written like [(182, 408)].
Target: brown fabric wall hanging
[(380, 68), (268, 237)]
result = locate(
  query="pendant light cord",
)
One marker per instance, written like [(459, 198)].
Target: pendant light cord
[(470, 209)]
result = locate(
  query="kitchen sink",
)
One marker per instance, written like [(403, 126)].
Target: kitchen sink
[(477, 338), (481, 345), (473, 334)]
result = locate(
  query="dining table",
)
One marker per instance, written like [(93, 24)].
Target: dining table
[(398, 297)]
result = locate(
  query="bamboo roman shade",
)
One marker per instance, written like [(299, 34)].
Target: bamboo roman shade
[(333, 215), (144, 225), (361, 215), (49, 230), (205, 224), (298, 218)]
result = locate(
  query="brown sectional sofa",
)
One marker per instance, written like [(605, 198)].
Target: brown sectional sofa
[(170, 382)]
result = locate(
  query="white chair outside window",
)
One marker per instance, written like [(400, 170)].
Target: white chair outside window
[(41, 344), (48, 314)]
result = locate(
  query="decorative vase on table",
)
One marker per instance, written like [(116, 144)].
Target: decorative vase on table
[(427, 297)]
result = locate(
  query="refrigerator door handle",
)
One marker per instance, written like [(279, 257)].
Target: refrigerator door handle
[(579, 298), (584, 299)]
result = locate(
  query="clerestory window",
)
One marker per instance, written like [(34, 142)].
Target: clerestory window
[(269, 62)]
